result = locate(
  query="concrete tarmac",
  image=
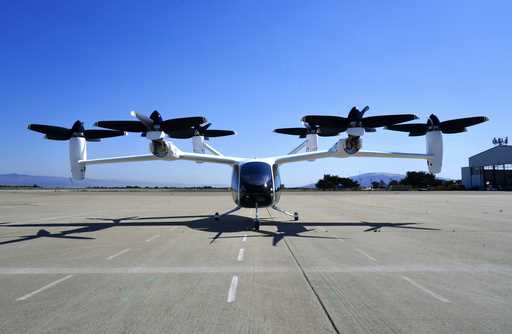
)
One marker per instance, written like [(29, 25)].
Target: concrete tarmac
[(356, 262)]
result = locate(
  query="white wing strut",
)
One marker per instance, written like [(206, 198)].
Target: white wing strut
[(199, 157), (336, 153), (133, 158), (399, 155), (173, 154)]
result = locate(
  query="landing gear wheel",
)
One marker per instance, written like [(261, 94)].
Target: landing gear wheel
[(256, 225), (216, 216), (296, 216)]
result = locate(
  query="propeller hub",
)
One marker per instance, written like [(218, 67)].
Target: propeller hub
[(433, 123), (156, 118)]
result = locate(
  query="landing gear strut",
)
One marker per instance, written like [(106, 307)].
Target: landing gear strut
[(217, 216), (256, 219), (294, 215)]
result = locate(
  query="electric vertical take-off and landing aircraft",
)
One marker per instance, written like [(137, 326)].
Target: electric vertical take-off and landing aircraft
[(256, 183)]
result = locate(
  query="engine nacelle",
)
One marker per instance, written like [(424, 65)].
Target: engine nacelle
[(352, 144), (434, 142), (355, 132), (162, 149), (77, 152)]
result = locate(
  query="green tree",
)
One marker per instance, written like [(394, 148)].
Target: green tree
[(420, 180), (379, 185), (333, 182)]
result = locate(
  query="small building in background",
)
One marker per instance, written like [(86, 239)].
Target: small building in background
[(490, 169)]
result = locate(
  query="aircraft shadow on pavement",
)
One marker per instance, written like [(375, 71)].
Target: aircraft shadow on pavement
[(227, 224)]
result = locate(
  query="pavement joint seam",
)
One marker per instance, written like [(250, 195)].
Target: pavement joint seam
[(306, 278)]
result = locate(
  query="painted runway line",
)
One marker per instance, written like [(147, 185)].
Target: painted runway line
[(241, 254), (118, 254), (365, 254), (244, 239), (153, 238), (232, 289), (27, 296), (424, 289)]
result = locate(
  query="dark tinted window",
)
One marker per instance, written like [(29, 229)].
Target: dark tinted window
[(256, 174)]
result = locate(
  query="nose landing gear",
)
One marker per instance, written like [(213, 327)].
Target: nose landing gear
[(256, 219)]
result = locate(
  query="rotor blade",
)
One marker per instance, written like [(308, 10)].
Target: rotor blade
[(411, 128), (217, 133), (328, 132), (100, 134), (292, 131), (57, 137), (461, 123), (387, 120), (129, 126), (333, 122), (417, 133), (55, 132), (454, 130), (148, 122), (173, 124), (181, 133)]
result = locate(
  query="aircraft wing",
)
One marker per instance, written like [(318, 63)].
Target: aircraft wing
[(132, 158), (311, 156), (197, 157), (400, 155)]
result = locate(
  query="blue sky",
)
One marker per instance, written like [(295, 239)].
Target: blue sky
[(250, 66)]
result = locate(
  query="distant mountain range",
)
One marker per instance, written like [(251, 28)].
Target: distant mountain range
[(366, 179), (64, 182)]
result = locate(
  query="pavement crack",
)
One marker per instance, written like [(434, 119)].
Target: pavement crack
[(308, 281)]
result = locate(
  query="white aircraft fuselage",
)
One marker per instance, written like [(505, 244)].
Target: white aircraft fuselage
[(255, 183)]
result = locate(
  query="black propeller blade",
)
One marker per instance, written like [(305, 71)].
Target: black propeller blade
[(461, 123), (181, 123), (52, 132), (303, 132), (128, 126), (198, 130), (77, 130), (433, 124), (152, 123), (356, 119), (414, 129)]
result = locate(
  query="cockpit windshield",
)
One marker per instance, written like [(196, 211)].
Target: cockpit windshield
[(256, 174)]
